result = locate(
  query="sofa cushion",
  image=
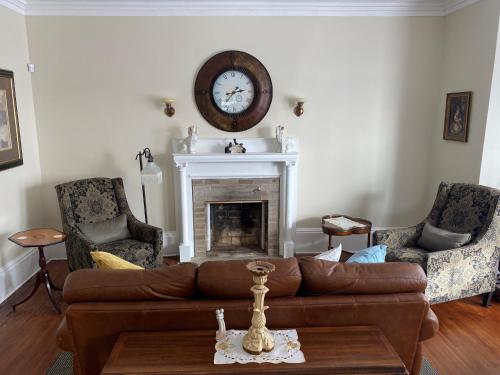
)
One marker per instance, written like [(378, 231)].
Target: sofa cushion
[(107, 230), (333, 255), (174, 282), (373, 254), (230, 279), (436, 239), (108, 261), (324, 277)]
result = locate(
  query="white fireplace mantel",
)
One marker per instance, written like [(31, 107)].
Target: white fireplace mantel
[(260, 161)]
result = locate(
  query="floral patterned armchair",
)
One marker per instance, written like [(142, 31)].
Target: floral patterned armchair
[(98, 199), (457, 273)]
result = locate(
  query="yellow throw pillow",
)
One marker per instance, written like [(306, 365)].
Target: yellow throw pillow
[(109, 261)]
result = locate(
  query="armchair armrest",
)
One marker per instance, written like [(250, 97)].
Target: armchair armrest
[(78, 250), (398, 238), (146, 233), (462, 272)]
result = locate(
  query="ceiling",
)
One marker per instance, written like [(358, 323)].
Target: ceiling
[(236, 7)]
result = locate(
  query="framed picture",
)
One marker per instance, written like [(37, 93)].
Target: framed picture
[(456, 123), (11, 154)]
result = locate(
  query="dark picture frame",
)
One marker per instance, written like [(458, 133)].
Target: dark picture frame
[(11, 153), (456, 122)]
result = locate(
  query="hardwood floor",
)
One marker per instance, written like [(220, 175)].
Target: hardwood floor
[(468, 341)]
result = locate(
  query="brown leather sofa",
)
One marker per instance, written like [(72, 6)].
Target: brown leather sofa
[(304, 293)]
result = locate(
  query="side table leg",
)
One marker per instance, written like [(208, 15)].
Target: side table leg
[(47, 283), (52, 284), (37, 285), (330, 242)]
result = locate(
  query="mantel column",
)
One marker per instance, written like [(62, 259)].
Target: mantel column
[(185, 251), (290, 209)]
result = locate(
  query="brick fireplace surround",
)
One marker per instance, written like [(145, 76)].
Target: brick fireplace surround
[(206, 191)]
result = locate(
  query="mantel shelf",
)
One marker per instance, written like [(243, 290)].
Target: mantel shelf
[(239, 158)]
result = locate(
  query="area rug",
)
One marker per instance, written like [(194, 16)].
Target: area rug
[(63, 365)]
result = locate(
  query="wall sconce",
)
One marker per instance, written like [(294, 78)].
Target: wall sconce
[(299, 107), (169, 108)]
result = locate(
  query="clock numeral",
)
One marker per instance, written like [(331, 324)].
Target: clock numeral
[(233, 74), (241, 76), (216, 92), (218, 83), (225, 76)]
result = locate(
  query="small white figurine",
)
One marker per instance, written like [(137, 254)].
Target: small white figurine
[(283, 141), (189, 143), (221, 332)]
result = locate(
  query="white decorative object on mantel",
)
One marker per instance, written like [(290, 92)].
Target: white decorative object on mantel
[(286, 349), (189, 143), (281, 139), (260, 161)]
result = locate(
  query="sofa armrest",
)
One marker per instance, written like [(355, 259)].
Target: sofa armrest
[(398, 238), (430, 326), (462, 272)]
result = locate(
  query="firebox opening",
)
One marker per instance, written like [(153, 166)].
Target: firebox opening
[(237, 226)]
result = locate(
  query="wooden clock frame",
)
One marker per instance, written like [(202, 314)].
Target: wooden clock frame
[(263, 91)]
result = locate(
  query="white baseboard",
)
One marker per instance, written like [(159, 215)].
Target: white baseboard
[(17, 272)]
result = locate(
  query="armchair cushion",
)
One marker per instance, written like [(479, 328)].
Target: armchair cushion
[(106, 231), (139, 253), (408, 254), (435, 239)]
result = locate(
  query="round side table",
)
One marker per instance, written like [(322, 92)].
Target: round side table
[(40, 238), (333, 230)]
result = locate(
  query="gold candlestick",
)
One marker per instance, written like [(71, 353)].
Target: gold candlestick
[(259, 339)]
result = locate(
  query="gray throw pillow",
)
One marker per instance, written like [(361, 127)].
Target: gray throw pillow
[(106, 231), (435, 239)]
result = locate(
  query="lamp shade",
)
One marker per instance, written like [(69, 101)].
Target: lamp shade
[(151, 174)]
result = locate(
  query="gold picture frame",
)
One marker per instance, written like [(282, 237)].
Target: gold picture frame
[(456, 122)]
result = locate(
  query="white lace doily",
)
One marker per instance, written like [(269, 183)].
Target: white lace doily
[(286, 349)]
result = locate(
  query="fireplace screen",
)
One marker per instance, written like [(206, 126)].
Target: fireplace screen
[(237, 226)]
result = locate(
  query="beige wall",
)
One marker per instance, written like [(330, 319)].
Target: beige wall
[(19, 187), (469, 44), (365, 136)]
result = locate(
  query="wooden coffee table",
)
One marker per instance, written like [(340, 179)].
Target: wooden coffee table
[(328, 350)]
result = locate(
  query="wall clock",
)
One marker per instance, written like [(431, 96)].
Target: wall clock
[(233, 91)]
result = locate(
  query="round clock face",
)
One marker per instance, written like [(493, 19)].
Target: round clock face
[(233, 92)]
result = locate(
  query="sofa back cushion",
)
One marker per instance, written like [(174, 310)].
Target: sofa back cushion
[(94, 285), (230, 279), (321, 277), (467, 208)]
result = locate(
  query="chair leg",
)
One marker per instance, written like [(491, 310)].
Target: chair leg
[(487, 298)]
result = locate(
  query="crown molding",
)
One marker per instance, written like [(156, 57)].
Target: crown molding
[(236, 8), (452, 6), (18, 6)]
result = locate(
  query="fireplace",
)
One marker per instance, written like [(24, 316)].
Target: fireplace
[(237, 226), (236, 216), (263, 174)]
